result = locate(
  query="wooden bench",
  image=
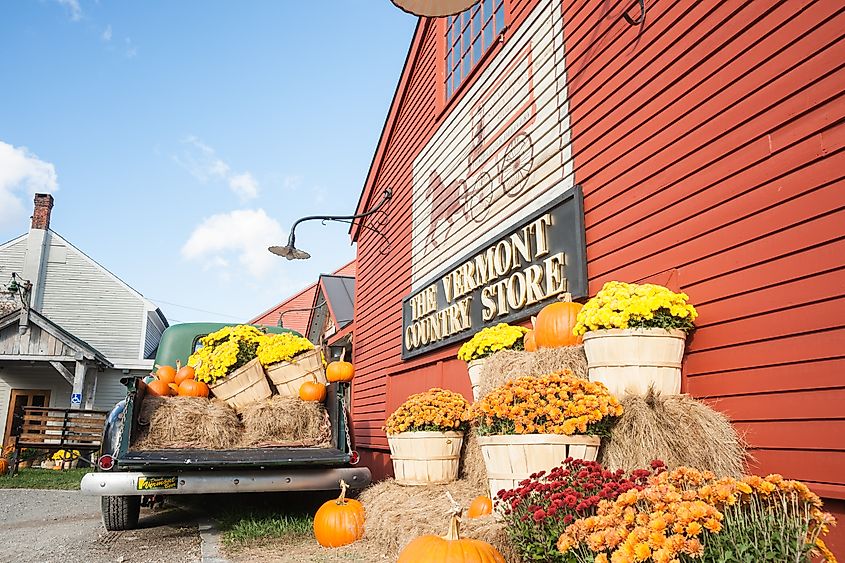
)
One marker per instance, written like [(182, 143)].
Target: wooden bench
[(54, 429)]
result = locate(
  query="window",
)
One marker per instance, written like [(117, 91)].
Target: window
[(468, 36)]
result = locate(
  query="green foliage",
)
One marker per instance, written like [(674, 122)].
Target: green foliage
[(32, 478), (507, 427), (241, 529), (662, 319)]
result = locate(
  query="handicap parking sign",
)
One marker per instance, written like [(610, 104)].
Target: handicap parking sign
[(76, 399)]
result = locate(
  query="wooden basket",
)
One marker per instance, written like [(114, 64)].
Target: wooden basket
[(511, 459), (474, 368), (245, 385), (425, 458), (632, 360), (288, 377)]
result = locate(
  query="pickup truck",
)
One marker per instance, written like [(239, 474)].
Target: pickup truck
[(126, 479)]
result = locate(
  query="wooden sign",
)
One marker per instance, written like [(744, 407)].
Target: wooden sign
[(507, 278)]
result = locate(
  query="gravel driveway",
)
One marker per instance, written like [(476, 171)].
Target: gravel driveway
[(51, 526)]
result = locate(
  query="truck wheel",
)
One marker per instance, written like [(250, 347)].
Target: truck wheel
[(121, 513)]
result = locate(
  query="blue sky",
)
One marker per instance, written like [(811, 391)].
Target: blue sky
[(179, 138)]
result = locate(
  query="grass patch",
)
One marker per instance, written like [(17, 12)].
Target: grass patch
[(32, 478), (240, 529)]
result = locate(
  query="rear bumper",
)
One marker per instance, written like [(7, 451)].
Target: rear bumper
[(203, 482)]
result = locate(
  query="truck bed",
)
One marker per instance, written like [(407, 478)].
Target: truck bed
[(253, 458)]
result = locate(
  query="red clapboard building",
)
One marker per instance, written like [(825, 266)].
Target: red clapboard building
[(704, 143)]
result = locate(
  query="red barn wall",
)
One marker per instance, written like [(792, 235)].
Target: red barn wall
[(709, 146)]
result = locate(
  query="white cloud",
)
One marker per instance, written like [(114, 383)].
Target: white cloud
[(244, 185), (292, 182), (73, 8), (107, 33), (131, 50), (202, 162), (240, 236), (22, 172)]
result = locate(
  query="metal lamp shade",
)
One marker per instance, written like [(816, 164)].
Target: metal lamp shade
[(434, 8)]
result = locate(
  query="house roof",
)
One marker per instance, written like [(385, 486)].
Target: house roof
[(390, 121), (297, 308), (81, 347), (340, 297)]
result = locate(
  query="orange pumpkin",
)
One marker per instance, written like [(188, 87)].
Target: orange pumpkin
[(4, 465), (554, 324), (183, 373), (192, 388), (159, 388), (339, 522), (340, 370), (480, 506), (312, 391), (450, 548), (166, 374), (529, 341)]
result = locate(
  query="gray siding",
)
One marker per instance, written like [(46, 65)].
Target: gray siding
[(90, 303), (109, 388), (15, 376), (11, 259), (155, 328)]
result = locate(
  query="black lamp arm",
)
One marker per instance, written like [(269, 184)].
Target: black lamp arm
[(388, 193)]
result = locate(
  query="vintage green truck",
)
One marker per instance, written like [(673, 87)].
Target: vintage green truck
[(126, 479)]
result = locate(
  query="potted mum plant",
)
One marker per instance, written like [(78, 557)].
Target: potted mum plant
[(531, 424), (227, 362), (487, 342), (290, 361), (425, 435), (634, 337)]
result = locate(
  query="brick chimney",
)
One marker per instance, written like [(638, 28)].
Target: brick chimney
[(41, 215)]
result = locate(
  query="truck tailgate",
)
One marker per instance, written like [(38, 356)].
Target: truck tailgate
[(254, 458)]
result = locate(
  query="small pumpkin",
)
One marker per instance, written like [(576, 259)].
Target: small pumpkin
[(159, 388), (480, 506), (4, 465), (312, 391), (183, 373), (166, 373), (340, 370), (529, 341), (450, 548), (192, 388), (339, 522), (554, 324)]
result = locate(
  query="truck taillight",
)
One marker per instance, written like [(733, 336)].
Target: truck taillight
[(354, 458), (105, 462)]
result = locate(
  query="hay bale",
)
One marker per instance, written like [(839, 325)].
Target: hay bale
[(507, 364), (677, 429), (286, 421), (186, 422), (473, 470), (486, 528)]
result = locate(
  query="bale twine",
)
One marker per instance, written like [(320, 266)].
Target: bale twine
[(186, 422), (286, 421), (676, 429), (508, 364)]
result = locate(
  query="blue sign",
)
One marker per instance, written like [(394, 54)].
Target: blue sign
[(76, 399)]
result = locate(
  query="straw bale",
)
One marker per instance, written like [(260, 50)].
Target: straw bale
[(397, 514), (473, 469), (508, 364), (186, 422), (677, 429), (286, 421)]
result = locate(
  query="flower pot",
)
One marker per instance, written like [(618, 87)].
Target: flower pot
[(425, 458), (630, 361), (513, 458), (475, 368), (243, 386), (288, 377)]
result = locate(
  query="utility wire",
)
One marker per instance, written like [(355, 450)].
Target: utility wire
[(193, 308)]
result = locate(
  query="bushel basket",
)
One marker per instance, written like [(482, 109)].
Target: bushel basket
[(288, 377), (425, 458), (243, 386)]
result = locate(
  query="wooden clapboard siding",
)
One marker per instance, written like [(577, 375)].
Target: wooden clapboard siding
[(39, 343), (38, 376), (712, 144), (88, 302)]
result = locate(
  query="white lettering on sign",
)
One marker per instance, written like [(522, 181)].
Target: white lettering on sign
[(502, 153)]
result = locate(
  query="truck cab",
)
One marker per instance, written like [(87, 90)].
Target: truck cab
[(125, 478)]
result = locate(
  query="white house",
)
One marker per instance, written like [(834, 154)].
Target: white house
[(69, 328)]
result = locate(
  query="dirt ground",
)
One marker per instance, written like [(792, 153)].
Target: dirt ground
[(304, 551), (42, 525)]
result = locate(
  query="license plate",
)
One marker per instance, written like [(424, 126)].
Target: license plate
[(153, 483)]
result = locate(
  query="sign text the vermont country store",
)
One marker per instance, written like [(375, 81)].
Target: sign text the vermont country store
[(508, 278)]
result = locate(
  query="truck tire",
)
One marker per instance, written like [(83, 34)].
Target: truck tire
[(121, 513)]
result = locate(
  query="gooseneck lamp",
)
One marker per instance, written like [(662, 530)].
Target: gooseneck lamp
[(290, 251)]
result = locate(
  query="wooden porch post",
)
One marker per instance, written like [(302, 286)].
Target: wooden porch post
[(78, 384), (90, 389)]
